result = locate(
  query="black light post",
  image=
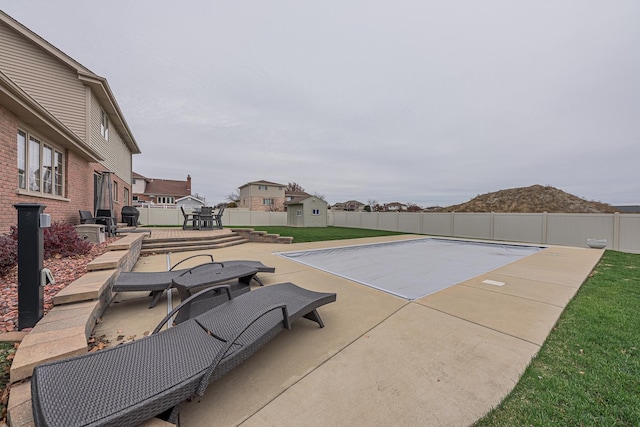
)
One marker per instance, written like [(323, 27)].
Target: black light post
[(30, 263)]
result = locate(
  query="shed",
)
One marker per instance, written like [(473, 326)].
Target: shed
[(190, 202), (308, 211)]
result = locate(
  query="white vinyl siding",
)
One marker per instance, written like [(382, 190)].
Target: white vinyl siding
[(51, 83), (117, 157)]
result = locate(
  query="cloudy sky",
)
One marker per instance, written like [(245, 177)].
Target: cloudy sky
[(428, 102)]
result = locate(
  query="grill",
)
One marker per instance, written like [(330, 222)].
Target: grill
[(130, 215)]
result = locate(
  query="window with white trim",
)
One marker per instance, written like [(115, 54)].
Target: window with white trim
[(40, 166), (267, 201), (167, 200), (299, 212), (315, 212), (262, 187), (104, 125)]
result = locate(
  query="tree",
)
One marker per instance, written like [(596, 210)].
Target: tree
[(294, 187), (320, 196), (373, 203), (412, 207), (201, 198), (233, 197)]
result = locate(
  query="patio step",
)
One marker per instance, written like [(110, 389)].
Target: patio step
[(165, 245)]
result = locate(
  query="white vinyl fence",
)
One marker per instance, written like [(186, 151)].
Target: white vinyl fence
[(171, 215), (622, 231)]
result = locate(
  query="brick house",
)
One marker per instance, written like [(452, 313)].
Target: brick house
[(160, 191), (262, 196), (60, 126)]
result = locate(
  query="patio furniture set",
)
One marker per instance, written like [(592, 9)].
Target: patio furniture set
[(203, 219), (214, 328)]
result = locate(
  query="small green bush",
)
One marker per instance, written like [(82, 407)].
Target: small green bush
[(60, 240)]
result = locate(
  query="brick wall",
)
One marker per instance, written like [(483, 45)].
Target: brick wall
[(78, 180)]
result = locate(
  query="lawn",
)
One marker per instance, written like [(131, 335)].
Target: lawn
[(315, 234), (587, 373)]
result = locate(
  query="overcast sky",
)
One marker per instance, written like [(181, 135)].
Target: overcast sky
[(429, 102)]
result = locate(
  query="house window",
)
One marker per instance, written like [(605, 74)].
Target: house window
[(315, 212), (57, 173), (22, 160), (167, 200), (262, 187), (126, 196), (135, 198), (115, 191), (40, 166), (299, 212), (104, 125), (267, 201)]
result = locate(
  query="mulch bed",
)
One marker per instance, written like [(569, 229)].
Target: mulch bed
[(65, 271)]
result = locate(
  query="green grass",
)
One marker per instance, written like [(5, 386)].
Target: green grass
[(314, 234), (587, 373)]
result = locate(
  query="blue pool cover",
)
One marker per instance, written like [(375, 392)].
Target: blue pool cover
[(414, 268)]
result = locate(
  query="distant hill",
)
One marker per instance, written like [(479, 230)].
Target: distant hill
[(536, 198)]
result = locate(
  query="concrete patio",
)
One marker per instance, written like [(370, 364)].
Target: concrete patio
[(445, 359)]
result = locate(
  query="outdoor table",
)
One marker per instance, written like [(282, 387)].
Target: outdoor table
[(188, 282)]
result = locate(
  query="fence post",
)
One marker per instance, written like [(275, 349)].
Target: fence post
[(616, 231)]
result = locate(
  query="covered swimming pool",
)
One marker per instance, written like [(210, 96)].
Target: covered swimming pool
[(414, 268)]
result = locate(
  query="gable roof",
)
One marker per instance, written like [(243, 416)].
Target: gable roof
[(98, 85), (262, 182), (167, 187)]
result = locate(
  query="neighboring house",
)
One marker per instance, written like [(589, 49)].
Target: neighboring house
[(159, 191), (395, 207), (262, 196), (60, 126), (307, 211), (350, 206)]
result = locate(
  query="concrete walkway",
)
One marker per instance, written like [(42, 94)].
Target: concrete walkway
[(443, 360)]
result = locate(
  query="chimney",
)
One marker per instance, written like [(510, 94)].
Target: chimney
[(189, 184)]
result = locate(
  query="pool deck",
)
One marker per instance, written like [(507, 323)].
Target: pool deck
[(442, 360)]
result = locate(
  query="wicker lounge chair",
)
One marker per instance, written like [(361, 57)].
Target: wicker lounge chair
[(157, 282), (130, 383)]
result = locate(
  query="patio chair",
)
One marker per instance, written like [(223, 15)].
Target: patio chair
[(192, 218), (86, 217), (218, 217), (131, 383), (110, 222), (207, 218), (158, 282)]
